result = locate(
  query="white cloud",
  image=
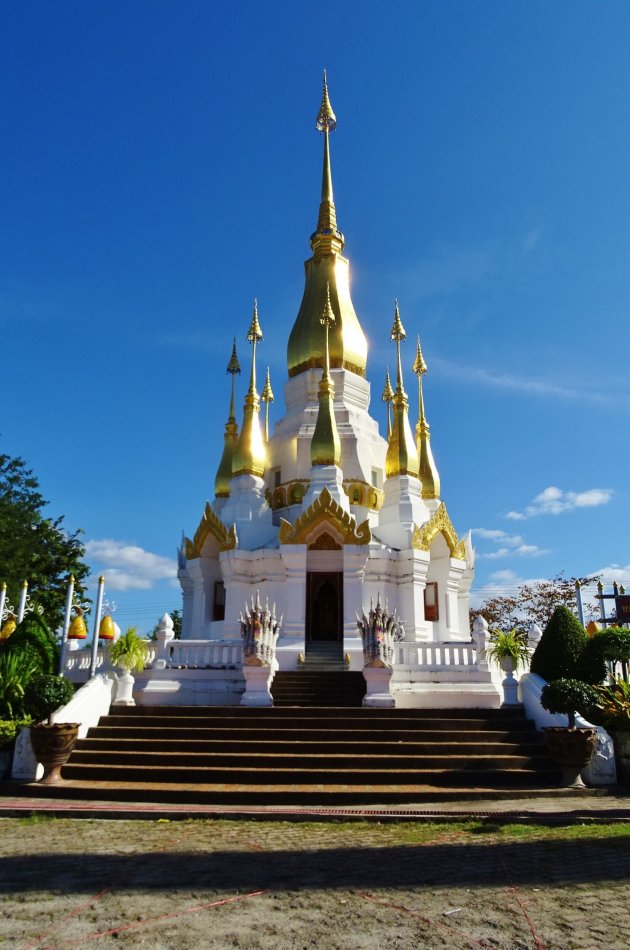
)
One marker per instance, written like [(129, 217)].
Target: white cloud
[(509, 544), (555, 501), (129, 567)]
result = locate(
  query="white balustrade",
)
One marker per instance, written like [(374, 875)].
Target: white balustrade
[(205, 654), (445, 655)]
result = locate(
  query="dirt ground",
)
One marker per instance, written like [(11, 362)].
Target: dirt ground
[(250, 885)]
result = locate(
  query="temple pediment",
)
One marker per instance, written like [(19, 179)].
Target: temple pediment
[(439, 523), (324, 511), (211, 524)]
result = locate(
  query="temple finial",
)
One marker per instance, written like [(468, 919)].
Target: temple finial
[(327, 238), (388, 397), (267, 396), (230, 439), (325, 444), (402, 455), (326, 118), (429, 475), (250, 456)]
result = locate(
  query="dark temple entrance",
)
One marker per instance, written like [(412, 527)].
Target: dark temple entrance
[(324, 615)]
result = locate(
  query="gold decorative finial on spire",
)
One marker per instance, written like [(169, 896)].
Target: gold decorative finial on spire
[(402, 456), (326, 118), (388, 397), (327, 237), (267, 396), (230, 438), (250, 457), (347, 343), (428, 470), (325, 444)]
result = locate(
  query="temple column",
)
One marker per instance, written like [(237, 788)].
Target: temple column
[(187, 607), (238, 591), (355, 558), (198, 596), (453, 587), (294, 623), (413, 567)]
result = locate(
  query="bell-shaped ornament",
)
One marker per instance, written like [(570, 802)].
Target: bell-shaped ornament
[(77, 629), (8, 627), (106, 628)]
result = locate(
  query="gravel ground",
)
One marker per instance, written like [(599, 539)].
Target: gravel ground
[(250, 885)]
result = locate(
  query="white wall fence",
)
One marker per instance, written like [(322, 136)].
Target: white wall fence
[(178, 654)]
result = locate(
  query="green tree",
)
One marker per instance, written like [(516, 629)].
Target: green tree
[(34, 547), (533, 603)]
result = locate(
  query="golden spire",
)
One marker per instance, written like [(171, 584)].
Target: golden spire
[(249, 456), (325, 444), (327, 268), (428, 470), (402, 456), (266, 396), (388, 397), (230, 439)]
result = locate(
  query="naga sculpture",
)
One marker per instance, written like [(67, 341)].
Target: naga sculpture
[(379, 631), (259, 630)]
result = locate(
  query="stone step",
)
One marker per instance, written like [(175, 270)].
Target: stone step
[(298, 734), (265, 760), (245, 712), (464, 777), (96, 743)]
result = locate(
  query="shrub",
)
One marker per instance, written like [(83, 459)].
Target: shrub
[(9, 729), (33, 638), (615, 705), (46, 693), (590, 667), (570, 696), (16, 671), (614, 643), (560, 647)]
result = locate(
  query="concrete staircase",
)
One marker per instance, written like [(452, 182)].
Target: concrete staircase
[(308, 755), (318, 686)]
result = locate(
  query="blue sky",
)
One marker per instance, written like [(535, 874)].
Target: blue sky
[(160, 169)]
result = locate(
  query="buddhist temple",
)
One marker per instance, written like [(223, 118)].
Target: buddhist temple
[(317, 512)]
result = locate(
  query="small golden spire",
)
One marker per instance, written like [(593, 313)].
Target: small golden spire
[(402, 456), (388, 397), (266, 396), (428, 470), (327, 237), (230, 438), (325, 444), (249, 456)]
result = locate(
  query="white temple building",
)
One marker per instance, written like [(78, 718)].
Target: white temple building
[(325, 514)]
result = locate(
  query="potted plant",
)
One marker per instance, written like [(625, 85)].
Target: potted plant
[(570, 746), (52, 742), (508, 650), (614, 703), (128, 653)]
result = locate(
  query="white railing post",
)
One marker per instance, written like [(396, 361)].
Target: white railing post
[(97, 622), (22, 604), (165, 636), (66, 623)]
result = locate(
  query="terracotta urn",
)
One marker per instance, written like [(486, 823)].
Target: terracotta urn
[(52, 744), (571, 750)]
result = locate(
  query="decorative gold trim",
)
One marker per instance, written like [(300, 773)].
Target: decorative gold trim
[(439, 523), (317, 362), (324, 510), (211, 524)]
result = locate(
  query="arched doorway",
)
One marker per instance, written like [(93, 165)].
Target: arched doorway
[(324, 613)]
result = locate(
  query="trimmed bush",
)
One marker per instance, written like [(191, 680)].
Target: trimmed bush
[(570, 696), (614, 643), (32, 638), (46, 693), (590, 667), (560, 648)]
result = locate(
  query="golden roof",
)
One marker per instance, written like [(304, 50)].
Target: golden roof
[(230, 438), (327, 269), (429, 475), (325, 444)]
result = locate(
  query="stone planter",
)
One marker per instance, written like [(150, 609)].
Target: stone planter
[(124, 689), (571, 750), (621, 742), (52, 745)]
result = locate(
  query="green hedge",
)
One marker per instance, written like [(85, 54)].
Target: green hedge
[(9, 728)]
